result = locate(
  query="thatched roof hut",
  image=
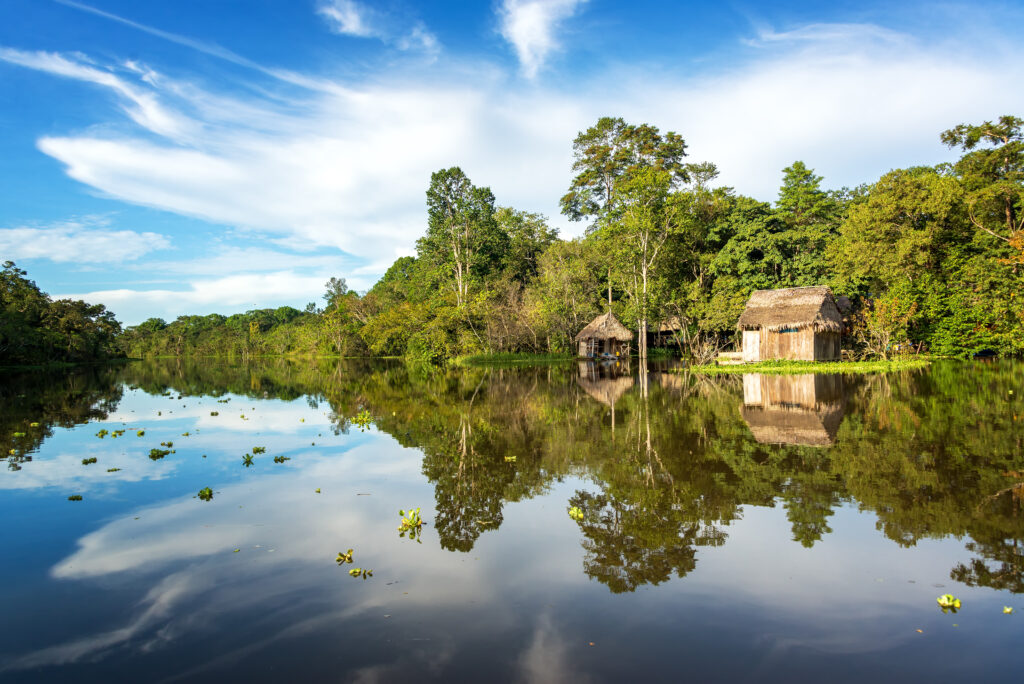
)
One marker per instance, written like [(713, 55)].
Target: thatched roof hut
[(801, 323), (604, 335)]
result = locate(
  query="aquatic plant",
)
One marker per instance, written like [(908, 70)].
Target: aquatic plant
[(141, 433), (576, 513), (157, 454), (259, 450), (510, 459), (87, 461), (167, 444), (19, 434), (33, 424), (113, 470), (1007, 610), (344, 557), (206, 494), (185, 434), (412, 524), (247, 460), (214, 413), (948, 602), (363, 419), (75, 497), (281, 459), (101, 434), (363, 572)]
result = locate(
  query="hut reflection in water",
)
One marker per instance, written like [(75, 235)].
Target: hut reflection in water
[(606, 381), (793, 409)]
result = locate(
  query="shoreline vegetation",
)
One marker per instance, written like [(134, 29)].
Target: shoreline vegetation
[(929, 257), (801, 367)]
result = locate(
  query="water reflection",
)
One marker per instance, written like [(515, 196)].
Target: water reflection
[(665, 466), (793, 409)]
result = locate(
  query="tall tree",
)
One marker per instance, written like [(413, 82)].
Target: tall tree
[(645, 218), (610, 150), (992, 171), (462, 236)]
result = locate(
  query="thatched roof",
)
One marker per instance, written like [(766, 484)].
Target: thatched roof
[(605, 327), (794, 308)]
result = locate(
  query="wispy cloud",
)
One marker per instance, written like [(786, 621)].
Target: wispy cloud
[(141, 105), (348, 18), (530, 26), (87, 240)]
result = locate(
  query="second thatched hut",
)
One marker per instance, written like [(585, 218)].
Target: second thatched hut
[(604, 336), (798, 323)]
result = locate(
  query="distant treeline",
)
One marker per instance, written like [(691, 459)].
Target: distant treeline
[(36, 330), (931, 256)]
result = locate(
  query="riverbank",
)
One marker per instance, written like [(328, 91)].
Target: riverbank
[(795, 367), (508, 359)]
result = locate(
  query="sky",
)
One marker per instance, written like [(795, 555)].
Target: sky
[(215, 156)]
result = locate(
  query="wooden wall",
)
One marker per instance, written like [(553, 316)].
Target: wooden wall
[(801, 345)]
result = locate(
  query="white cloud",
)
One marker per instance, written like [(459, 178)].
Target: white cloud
[(209, 295), (530, 25), (419, 38), (347, 166), (347, 17), (142, 106), (85, 240)]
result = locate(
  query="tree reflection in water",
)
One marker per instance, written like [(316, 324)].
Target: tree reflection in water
[(674, 457)]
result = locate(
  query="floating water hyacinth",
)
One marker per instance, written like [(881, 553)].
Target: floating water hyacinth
[(206, 494), (576, 513), (167, 444), (259, 450), (88, 461), (247, 460), (363, 419), (363, 572), (141, 433), (948, 602), (101, 434), (281, 459), (33, 424), (1007, 610), (157, 454), (75, 497), (510, 459), (345, 557), (412, 524)]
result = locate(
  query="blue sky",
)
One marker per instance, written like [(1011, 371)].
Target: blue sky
[(202, 156)]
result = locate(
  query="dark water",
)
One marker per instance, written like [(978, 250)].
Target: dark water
[(733, 529)]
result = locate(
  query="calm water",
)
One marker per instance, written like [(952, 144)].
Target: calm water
[(745, 528)]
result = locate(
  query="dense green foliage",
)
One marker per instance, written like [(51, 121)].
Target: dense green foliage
[(933, 257), (35, 329)]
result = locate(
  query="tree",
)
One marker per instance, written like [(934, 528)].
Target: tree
[(993, 176), (647, 215), (462, 236), (335, 289), (528, 237), (610, 150)]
